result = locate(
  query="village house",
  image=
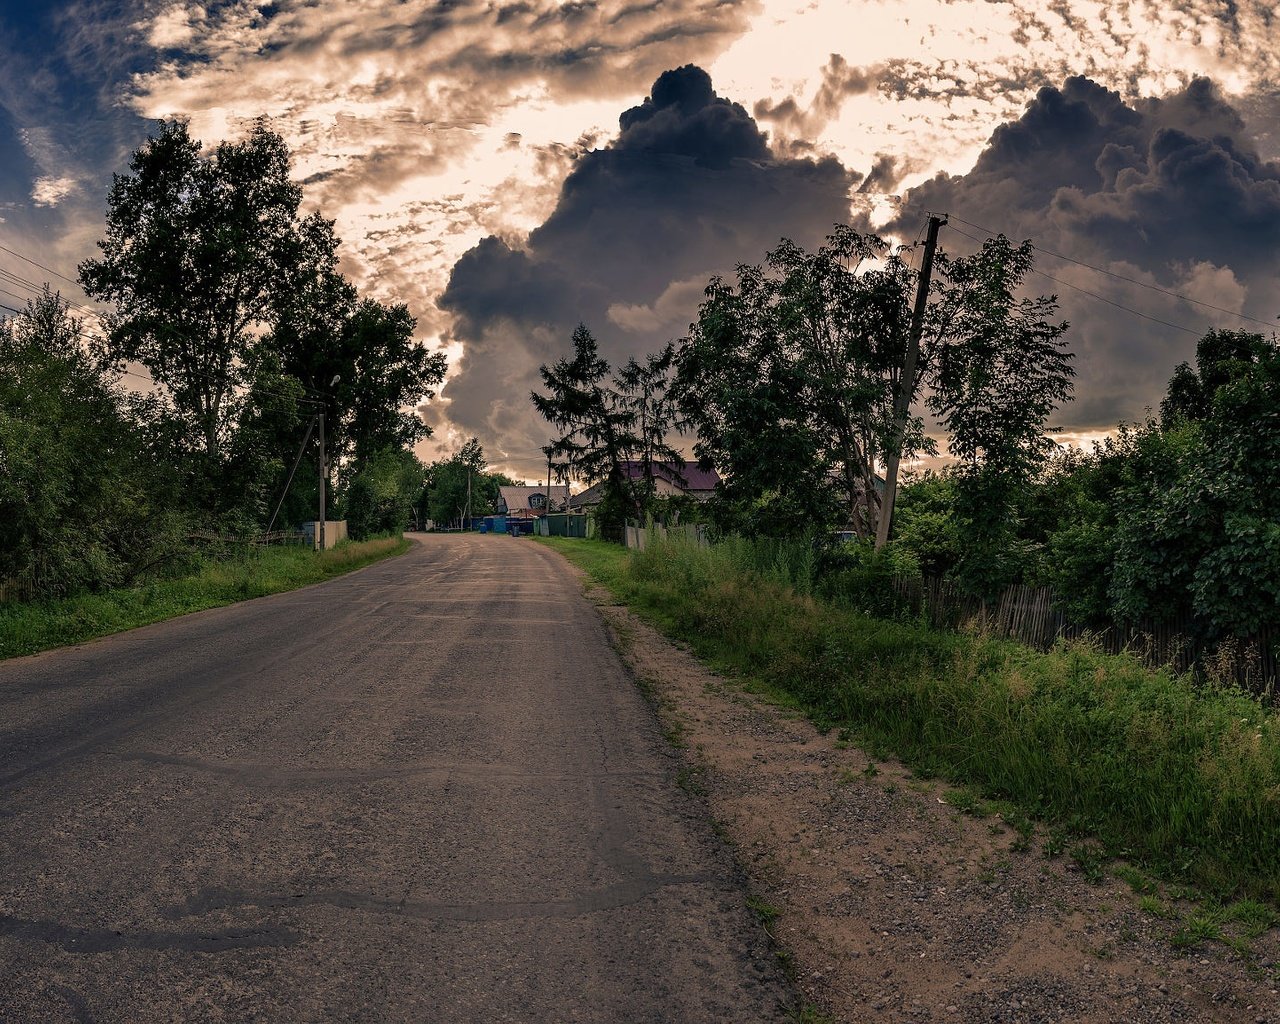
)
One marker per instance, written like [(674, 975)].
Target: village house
[(529, 502), (668, 482)]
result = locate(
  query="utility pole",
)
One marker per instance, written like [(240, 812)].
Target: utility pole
[(902, 400), (467, 520), (323, 470), (311, 423), (548, 512)]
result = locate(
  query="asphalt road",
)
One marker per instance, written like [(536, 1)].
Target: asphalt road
[(427, 791)]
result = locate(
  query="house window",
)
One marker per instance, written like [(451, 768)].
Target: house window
[(537, 501)]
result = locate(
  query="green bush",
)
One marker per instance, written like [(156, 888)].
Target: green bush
[(26, 628)]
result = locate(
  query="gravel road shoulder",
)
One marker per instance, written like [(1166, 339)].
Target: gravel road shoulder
[(891, 904)]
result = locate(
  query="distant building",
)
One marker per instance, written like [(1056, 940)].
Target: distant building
[(530, 502), (667, 482)]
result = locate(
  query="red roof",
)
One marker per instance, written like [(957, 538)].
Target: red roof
[(691, 478)]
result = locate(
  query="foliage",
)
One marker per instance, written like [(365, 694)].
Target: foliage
[(1204, 537), (379, 499), (1180, 781), (386, 375), (740, 393), (1001, 370), (608, 422), (924, 523), (789, 378), (448, 482), (232, 300), (1222, 358), (81, 505), (644, 393), (27, 628), (258, 454), (194, 251)]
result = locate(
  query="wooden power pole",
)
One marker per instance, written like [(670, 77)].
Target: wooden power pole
[(902, 400), (324, 471)]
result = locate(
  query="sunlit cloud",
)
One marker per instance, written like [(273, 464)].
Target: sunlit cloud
[(426, 128), (51, 191)]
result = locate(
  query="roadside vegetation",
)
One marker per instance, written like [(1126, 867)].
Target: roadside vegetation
[(789, 378), (189, 409), (31, 627), (1116, 759)]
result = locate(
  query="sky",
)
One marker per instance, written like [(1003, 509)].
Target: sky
[(508, 169)]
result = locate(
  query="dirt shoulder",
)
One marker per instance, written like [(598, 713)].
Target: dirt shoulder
[(892, 904)]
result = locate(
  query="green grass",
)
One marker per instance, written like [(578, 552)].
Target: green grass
[(1181, 782), (603, 562), (27, 628)]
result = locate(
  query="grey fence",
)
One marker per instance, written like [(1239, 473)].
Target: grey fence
[(639, 537)]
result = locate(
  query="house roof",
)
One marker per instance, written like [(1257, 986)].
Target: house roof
[(517, 497), (591, 496), (691, 478)]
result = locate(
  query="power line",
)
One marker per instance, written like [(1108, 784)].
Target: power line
[(155, 383), (1108, 273), (23, 282), (1095, 295), (47, 270), (15, 295)]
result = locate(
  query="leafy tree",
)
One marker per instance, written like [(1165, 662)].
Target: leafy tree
[(1221, 358), (741, 393), (448, 480), (260, 450), (644, 390), (379, 499), (1001, 370), (386, 375), (789, 379), (226, 295), (195, 250), (924, 523), (1201, 536), (82, 506)]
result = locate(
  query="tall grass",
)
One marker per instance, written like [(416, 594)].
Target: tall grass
[(30, 627), (1181, 780)]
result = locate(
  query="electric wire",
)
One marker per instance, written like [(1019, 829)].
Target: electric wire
[(202, 376), (18, 279), (1094, 295), (23, 282), (1102, 270), (47, 270)]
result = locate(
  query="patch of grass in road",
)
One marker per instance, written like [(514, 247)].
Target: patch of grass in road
[(1117, 759), (30, 627)]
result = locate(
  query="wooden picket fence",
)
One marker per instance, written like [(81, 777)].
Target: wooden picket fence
[(1031, 615), (18, 590), (275, 537), (638, 537)]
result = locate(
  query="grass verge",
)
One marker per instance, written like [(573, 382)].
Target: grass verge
[(30, 627), (1179, 781)]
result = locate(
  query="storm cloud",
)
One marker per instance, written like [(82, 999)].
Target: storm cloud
[(1168, 192), (688, 189)]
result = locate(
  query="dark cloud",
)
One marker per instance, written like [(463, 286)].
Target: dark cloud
[(840, 80), (684, 117), (885, 174), (689, 188), (1168, 191)]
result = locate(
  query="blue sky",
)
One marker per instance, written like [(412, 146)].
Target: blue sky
[(458, 142)]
